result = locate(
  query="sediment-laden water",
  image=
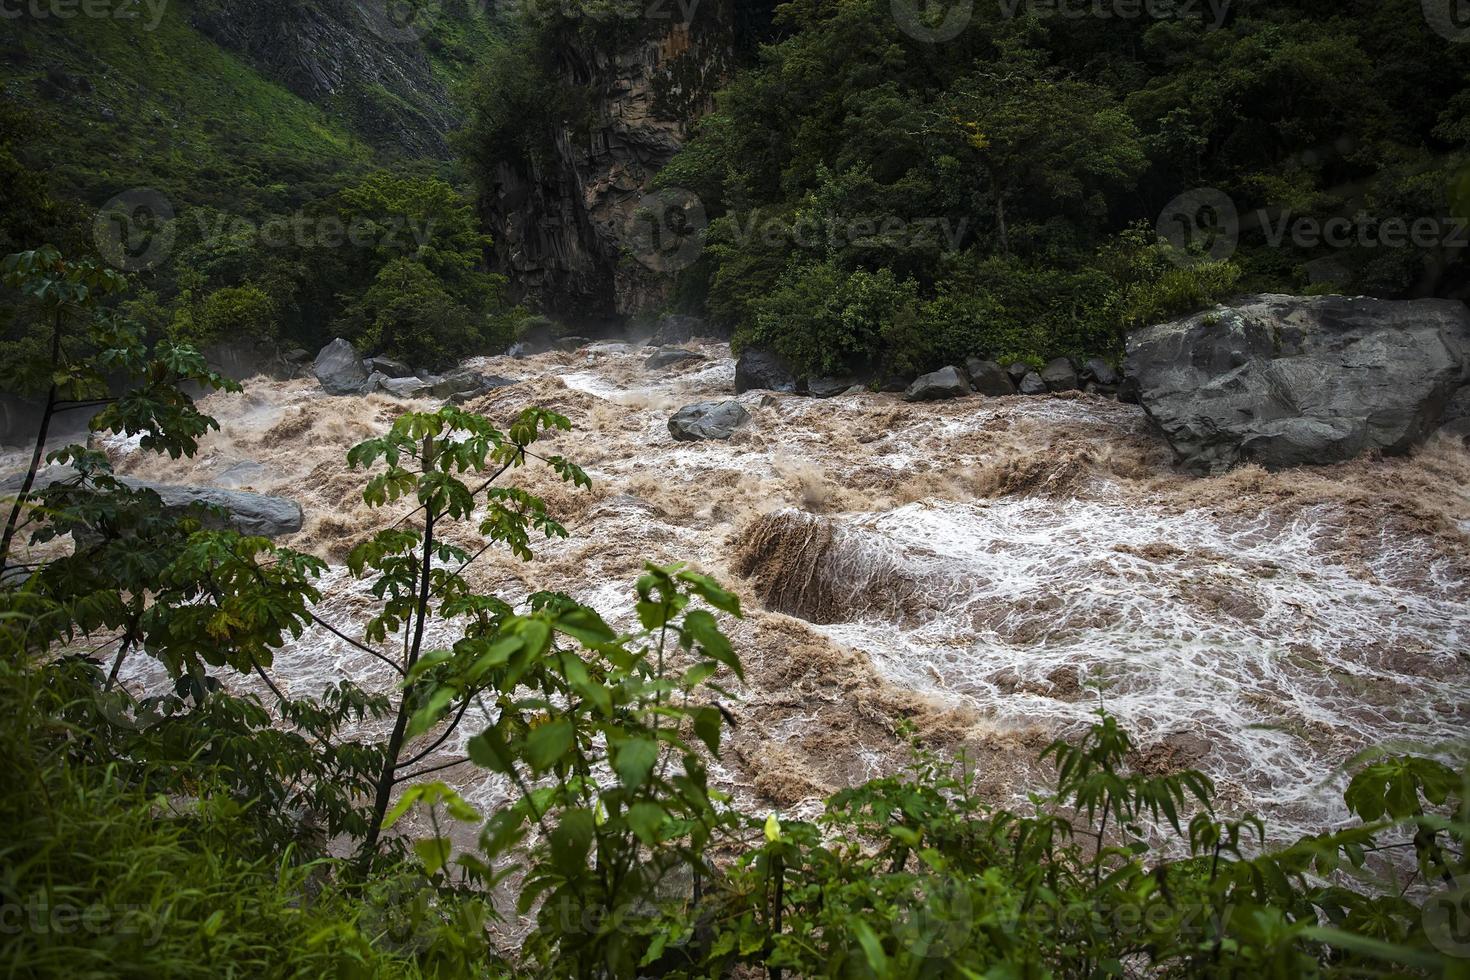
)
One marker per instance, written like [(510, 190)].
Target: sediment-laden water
[(988, 570)]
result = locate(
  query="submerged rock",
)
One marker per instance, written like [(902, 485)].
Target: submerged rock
[(1289, 380), (340, 370), (708, 420), (947, 382)]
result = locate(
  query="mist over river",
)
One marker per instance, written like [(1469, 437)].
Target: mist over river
[(985, 569)]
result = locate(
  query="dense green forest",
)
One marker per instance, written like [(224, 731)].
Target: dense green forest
[(881, 197), (880, 200)]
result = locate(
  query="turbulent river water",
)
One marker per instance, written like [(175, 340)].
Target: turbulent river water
[(988, 570)]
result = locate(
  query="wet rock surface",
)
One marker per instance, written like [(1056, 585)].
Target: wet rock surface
[(339, 368), (708, 420), (1290, 381), (945, 383), (758, 369)]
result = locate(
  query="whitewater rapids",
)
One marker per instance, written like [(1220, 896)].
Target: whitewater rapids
[(988, 570)]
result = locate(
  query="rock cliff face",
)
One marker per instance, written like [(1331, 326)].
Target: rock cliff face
[(358, 58), (571, 231)]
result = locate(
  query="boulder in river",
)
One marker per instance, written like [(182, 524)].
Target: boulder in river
[(708, 420), (989, 378), (340, 369), (666, 357), (1289, 380), (947, 382), (389, 366), (410, 387), (1060, 374), (830, 387), (1017, 371), (759, 369), (1031, 384), (258, 514)]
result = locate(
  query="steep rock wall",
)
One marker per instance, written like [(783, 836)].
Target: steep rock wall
[(564, 226)]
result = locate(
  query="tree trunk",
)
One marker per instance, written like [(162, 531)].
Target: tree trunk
[(386, 780), (36, 456)]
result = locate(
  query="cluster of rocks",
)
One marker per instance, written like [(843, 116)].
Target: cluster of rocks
[(763, 370), (343, 371), (993, 380)]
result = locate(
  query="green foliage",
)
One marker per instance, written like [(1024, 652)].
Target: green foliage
[(1041, 143), (201, 823)]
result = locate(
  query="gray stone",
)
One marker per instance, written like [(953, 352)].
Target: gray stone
[(1102, 372), (256, 514), (1017, 371), (1456, 421), (409, 387), (989, 378), (670, 356), (387, 365), (830, 387), (339, 369), (1060, 374), (1287, 380), (708, 420), (488, 383), (1032, 384), (947, 382), (759, 369)]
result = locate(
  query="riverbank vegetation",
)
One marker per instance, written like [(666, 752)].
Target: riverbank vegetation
[(216, 825)]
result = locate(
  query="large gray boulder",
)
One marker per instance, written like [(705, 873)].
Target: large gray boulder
[(989, 378), (759, 369), (1287, 380), (257, 514), (340, 369), (947, 382), (708, 420)]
